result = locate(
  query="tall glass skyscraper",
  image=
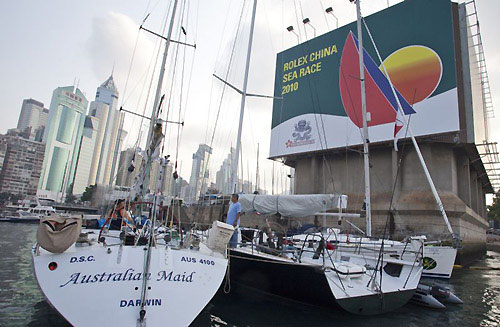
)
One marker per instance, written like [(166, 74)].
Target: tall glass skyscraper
[(62, 136), (108, 144)]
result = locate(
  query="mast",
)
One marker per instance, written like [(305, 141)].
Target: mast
[(154, 115), (234, 173), (417, 148), (150, 150), (365, 124), (257, 177), (272, 181)]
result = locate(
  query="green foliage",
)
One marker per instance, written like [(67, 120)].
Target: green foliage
[(70, 197), (494, 208), (88, 193)]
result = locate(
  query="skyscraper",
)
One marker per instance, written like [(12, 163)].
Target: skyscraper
[(86, 152), (125, 177), (199, 173), (223, 176), (103, 167), (63, 134), (33, 116)]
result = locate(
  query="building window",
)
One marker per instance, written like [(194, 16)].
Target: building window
[(67, 124)]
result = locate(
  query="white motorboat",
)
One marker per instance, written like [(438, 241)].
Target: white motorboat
[(29, 215), (39, 210)]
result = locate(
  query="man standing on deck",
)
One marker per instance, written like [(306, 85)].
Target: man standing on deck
[(233, 218)]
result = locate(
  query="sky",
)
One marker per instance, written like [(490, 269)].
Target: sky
[(47, 44)]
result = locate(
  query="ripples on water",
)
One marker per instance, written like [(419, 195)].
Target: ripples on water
[(22, 303)]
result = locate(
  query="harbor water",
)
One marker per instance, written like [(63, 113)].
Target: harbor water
[(22, 303)]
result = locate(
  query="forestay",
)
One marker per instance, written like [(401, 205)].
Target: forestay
[(292, 205)]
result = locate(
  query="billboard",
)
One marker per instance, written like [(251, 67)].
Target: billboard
[(318, 92)]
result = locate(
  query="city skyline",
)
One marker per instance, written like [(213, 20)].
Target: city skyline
[(107, 32)]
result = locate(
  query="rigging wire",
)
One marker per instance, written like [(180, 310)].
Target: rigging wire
[(217, 56), (120, 169), (174, 73), (182, 70), (223, 91), (182, 115)]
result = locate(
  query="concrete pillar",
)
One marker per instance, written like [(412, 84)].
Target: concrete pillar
[(474, 190), (463, 176)]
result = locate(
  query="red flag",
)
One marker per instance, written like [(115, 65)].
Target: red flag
[(398, 126)]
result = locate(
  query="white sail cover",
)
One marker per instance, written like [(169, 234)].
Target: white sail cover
[(292, 205)]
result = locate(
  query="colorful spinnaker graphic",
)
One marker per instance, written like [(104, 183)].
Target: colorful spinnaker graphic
[(380, 100), (415, 70)]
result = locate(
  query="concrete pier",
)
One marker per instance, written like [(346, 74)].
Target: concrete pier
[(399, 176)]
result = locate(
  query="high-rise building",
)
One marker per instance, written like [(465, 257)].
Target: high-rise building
[(100, 111), (109, 136), (180, 188), (22, 164), (86, 152), (223, 176), (124, 177), (63, 135), (167, 180), (199, 173), (33, 116), (3, 151)]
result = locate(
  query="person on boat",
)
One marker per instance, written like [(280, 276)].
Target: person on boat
[(117, 213), (233, 218)]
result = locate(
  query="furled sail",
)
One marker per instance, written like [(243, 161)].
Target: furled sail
[(292, 205)]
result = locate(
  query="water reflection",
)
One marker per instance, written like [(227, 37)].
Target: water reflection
[(22, 304), (44, 315)]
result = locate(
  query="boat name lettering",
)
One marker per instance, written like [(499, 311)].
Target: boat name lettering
[(137, 303), (128, 275), (83, 258), (105, 277), (188, 259), (171, 277)]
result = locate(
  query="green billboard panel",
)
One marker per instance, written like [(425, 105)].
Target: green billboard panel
[(319, 87)]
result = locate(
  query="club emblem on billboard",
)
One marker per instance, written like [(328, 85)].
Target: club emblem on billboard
[(415, 86), (301, 135)]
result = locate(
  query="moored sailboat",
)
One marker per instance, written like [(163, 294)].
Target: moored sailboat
[(322, 275), (130, 277)]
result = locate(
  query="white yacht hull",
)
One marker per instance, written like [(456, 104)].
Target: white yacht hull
[(438, 260), (101, 286), (374, 293)]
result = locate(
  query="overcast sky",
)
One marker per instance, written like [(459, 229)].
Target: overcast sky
[(47, 44)]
